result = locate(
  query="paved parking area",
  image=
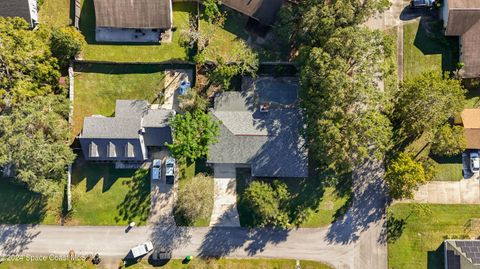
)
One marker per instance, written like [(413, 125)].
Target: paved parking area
[(465, 191), (225, 212)]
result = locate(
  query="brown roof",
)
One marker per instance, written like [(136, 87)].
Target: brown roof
[(471, 51), (151, 14), (463, 4), (15, 8), (263, 11), (471, 124)]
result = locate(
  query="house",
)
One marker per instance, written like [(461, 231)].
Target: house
[(267, 139), (471, 125), (26, 9), (127, 137), (263, 11), (462, 254), (132, 21), (462, 19)]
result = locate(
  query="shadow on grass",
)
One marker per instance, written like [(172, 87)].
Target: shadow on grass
[(93, 173), (395, 228), (119, 69), (435, 259), (431, 40), (18, 205), (457, 159), (136, 204)]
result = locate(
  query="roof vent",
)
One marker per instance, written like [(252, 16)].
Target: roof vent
[(264, 108)]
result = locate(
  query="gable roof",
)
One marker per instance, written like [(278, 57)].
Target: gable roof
[(263, 11), (16, 8), (270, 142), (471, 124), (462, 254), (150, 14)]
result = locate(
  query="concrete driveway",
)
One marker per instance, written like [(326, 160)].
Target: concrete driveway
[(225, 212), (465, 191)]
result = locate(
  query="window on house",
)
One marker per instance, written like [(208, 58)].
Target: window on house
[(129, 150), (112, 150), (93, 150)]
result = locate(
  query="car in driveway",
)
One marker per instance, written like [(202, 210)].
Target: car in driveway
[(422, 3), (474, 162), (170, 170), (156, 169)]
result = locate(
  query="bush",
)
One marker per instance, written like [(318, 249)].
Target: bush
[(449, 141), (195, 200), (268, 203), (403, 176), (66, 43)]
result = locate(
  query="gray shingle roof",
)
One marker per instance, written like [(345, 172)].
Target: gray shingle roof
[(110, 127), (157, 117), (262, 10), (16, 8), (150, 14), (270, 142)]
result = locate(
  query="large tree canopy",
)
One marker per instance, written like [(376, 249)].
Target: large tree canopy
[(426, 102), (34, 142), (403, 176), (27, 68), (344, 104)]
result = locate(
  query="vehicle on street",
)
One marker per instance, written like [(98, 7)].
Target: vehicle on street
[(422, 3), (474, 162), (156, 169), (142, 250), (160, 257), (170, 170)]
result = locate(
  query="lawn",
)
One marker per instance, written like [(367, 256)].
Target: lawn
[(132, 52), (103, 195), (47, 265), (226, 39), (419, 245), (55, 12), (425, 48), (448, 168), (323, 204), (237, 264), (18, 205), (97, 87)]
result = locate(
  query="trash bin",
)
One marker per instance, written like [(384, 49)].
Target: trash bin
[(184, 87)]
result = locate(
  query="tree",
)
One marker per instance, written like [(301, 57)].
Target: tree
[(34, 142), (212, 10), (449, 141), (403, 176), (195, 200), (27, 68), (426, 102), (66, 43), (268, 203), (345, 110), (192, 101), (193, 133)]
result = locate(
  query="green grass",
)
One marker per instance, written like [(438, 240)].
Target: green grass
[(237, 264), (391, 72), (18, 205), (132, 52), (323, 204), (448, 168), (47, 265), (226, 39), (103, 195), (55, 13), (425, 48), (419, 244), (97, 88)]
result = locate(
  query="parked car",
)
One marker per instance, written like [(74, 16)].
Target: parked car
[(422, 3), (141, 250), (156, 169), (160, 257), (170, 170), (474, 162)]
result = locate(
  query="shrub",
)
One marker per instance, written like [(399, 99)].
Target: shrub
[(449, 141), (66, 43), (195, 200)]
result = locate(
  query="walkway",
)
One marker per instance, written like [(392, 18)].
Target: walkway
[(173, 78), (465, 191), (225, 212)]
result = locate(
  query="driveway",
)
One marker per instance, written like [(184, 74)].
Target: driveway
[(225, 212), (466, 191)]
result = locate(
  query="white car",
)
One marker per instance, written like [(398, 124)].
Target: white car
[(170, 170), (156, 169), (474, 162), (142, 250)]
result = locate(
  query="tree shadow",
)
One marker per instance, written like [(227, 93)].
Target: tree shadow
[(15, 239), (136, 204), (395, 228), (167, 236), (93, 173)]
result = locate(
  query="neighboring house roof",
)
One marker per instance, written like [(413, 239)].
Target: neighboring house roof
[(124, 136), (471, 124), (150, 14), (270, 142), (464, 21), (19, 8), (262, 10), (462, 254)]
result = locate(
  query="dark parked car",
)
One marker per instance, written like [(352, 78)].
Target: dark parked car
[(160, 257), (422, 3)]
